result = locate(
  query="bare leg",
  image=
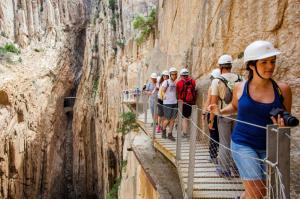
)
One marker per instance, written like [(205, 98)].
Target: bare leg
[(254, 189), (185, 125)]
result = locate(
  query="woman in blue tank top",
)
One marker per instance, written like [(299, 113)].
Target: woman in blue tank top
[(253, 100)]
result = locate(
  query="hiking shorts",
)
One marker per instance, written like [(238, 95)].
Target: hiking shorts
[(186, 110), (170, 111), (246, 160), (160, 108)]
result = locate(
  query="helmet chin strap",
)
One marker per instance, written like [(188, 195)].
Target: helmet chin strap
[(258, 72)]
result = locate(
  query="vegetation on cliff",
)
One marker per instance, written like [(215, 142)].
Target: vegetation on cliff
[(145, 25)]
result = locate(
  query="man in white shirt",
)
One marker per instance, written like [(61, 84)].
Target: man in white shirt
[(170, 103), (219, 95)]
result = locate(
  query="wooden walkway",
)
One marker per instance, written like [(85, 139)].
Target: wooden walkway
[(207, 184)]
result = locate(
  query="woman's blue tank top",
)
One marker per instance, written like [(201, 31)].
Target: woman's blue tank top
[(256, 113)]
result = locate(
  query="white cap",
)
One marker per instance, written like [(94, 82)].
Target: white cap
[(225, 59), (165, 72), (215, 73), (184, 71), (172, 69), (259, 50), (153, 75)]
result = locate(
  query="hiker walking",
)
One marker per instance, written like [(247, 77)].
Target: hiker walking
[(221, 93), (186, 91), (213, 132), (253, 100), (169, 103), (160, 97), (151, 91)]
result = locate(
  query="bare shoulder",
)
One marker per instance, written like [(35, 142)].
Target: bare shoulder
[(285, 88), (239, 88)]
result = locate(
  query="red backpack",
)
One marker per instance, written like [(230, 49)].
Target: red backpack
[(188, 93)]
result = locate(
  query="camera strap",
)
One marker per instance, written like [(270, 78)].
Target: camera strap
[(279, 92)]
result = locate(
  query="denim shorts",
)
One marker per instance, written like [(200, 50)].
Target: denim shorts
[(245, 160)]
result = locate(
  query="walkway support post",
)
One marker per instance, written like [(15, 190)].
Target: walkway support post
[(192, 152), (179, 130), (145, 107), (278, 157), (155, 116), (137, 105)]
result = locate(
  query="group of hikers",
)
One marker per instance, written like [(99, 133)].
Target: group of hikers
[(249, 99)]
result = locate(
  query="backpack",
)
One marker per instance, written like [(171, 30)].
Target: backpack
[(229, 87), (188, 93)]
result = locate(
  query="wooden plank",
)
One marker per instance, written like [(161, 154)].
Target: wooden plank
[(197, 169), (216, 194), (218, 187), (205, 175), (213, 181)]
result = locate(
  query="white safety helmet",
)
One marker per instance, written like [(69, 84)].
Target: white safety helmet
[(184, 71), (259, 50), (165, 72), (225, 59), (215, 73), (153, 75), (172, 69)]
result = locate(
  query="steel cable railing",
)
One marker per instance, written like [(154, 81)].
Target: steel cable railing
[(276, 181)]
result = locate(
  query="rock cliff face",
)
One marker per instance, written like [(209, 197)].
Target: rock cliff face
[(70, 49), (33, 122)]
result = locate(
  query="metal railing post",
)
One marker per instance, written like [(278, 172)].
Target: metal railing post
[(179, 127), (154, 116), (192, 152), (283, 160), (278, 155), (145, 107), (137, 105), (271, 156)]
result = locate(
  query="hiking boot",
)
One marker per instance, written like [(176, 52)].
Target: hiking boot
[(164, 134), (171, 137)]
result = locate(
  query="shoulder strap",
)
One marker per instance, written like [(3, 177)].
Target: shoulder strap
[(223, 79), (279, 92)]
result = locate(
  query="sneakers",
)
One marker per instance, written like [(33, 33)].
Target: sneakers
[(158, 129), (223, 174), (171, 137), (164, 134)]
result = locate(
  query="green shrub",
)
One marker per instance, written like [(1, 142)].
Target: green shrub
[(128, 122), (113, 193), (145, 25), (120, 43), (112, 4), (3, 34), (9, 47)]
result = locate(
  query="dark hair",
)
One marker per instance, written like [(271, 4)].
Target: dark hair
[(250, 63), (226, 65), (161, 79)]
